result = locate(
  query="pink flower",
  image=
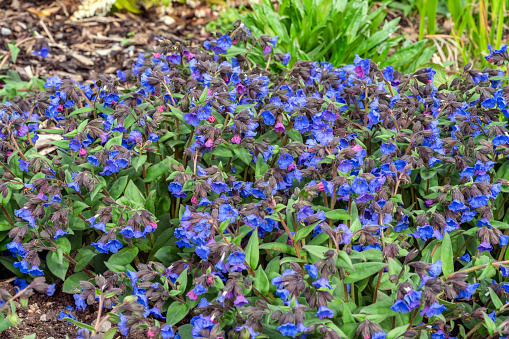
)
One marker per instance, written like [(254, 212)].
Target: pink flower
[(160, 109), (154, 225), (150, 333), (291, 167), (236, 139), (157, 55), (234, 41), (192, 295), (267, 49), (211, 119), (279, 127), (82, 152), (209, 92), (320, 187), (357, 148), (194, 200), (210, 280), (209, 143), (60, 108)]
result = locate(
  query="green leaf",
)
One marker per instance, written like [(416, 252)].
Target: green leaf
[(489, 324), (446, 255), (343, 260), (56, 266), (138, 161), (496, 300), (113, 141), (397, 332), (338, 215), (111, 333), (157, 170), (243, 155), (14, 51), (31, 336), (278, 247), (80, 324), (72, 283), (261, 282), (363, 270), (123, 257), (118, 187), (176, 312), (252, 250), (304, 231), (315, 250), (181, 282), (133, 193)]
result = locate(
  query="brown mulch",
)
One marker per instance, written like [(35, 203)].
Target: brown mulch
[(99, 45), (41, 316)]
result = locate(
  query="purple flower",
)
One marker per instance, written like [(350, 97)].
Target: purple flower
[(286, 58), (240, 301), (236, 258), (174, 59), (485, 246)]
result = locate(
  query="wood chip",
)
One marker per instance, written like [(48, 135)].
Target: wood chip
[(83, 59)]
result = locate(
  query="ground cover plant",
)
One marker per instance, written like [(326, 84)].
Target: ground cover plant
[(199, 195)]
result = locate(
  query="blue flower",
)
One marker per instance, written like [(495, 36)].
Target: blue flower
[(74, 145), (43, 52), (236, 258), (121, 75), (387, 148), (23, 165), (174, 59), (268, 118), (379, 335), (288, 329), (465, 257), (227, 212), (400, 306), (286, 58), (312, 269), (322, 282), (79, 301), (176, 189), (285, 160), (478, 201), (324, 312), (359, 185), (224, 42), (112, 245), (458, 206), (435, 269), (167, 332), (433, 309)]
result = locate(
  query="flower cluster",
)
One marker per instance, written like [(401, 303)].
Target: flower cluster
[(207, 196)]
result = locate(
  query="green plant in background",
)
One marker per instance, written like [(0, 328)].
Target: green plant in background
[(474, 25), (11, 85), (225, 20), (335, 31)]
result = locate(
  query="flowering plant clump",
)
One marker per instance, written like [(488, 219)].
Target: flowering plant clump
[(198, 195)]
